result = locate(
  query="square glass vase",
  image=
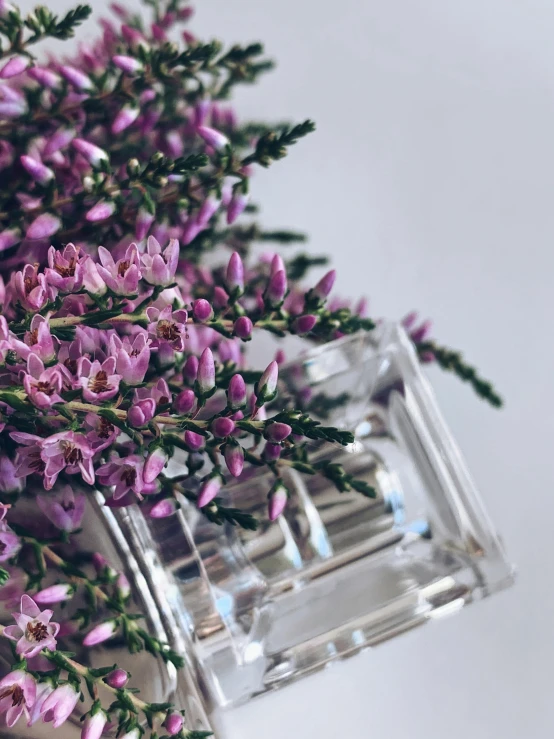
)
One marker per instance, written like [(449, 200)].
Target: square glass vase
[(336, 573)]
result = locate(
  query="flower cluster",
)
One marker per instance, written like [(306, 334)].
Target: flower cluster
[(122, 346)]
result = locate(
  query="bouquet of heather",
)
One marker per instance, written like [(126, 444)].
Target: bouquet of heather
[(123, 175)]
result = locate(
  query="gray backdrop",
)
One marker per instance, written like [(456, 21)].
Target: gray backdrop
[(430, 180)]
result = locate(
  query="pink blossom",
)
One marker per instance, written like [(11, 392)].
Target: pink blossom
[(59, 705), (93, 728), (100, 633), (43, 386), (44, 226), (160, 392), (92, 282), (126, 474), (14, 66), (122, 277), (54, 594), (38, 340), (155, 462), (65, 270), (43, 691), (277, 501), (98, 380), (101, 432), (167, 327), (64, 509), (132, 356), (30, 288), (141, 412), (70, 451), (10, 482), (126, 116), (34, 631), (158, 267), (28, 459), (9, 543), (17, 696), (209, 490)]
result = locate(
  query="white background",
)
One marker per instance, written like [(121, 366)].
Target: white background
[(431, 180)]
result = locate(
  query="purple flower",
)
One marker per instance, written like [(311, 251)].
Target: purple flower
[(9, 237), (163, 508), (43, 691), (102, 433), (213, 138), (122, 277), (142, 412), (127, 64), (30, 288), (194, 441), (93, 154), (155, 462), (100, 633), (125, 474), (98, 380), (102, 210), (76, 78), (185, 401), (126, 116), (14, 66), (173, 723), (202, 310), (38, 171), (70, 451), (277, 432), (17, 696), (64, 270), (222, 427), (206, 372), (160, 392), (235, 275), (43, 386), (234, 458), (276, 289), (38, 340), (159, 267), (208, 491), (325, 285), (243, 328), (266, 388), (45, 77), (208, 209), (92, 282), (167, 327), (271, 452), (43, 227), (59, 705), (28, 459), (55, 594), (117, 678), (94, 725), (278, 498), (221, 299), (238, 203), (10, 482), (190, 369), (64, 509), (132, 356), (236, 392), (34, 631), (304, 324)]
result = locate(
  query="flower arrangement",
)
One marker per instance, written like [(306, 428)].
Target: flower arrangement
[(122, 332)]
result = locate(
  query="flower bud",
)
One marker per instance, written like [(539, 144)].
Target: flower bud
[(45, 78), (234, 458), (155, 463), (236, 392), (221, 299), (206, 372), (141, 412), (271, 452), (173, 723), (194, 441), (93, 154), (76, 78), (100, 633), (202, 310), (243, 328), (277, 432), (278, 498), (304, 324), (43, 226), (276, 289), (14, 66), (38, 171), (163, 508), (222, 427), (266, 388), (210, 488), (117, 678), (325, 285), (143, 222), (122, 586), (190, 370), (126, 116), (9, 237), (213, 138), (102, 210), (238, 203), (102, 566), (93, 727), (127, 64), (54, 594), (235, 274), (185, 401)]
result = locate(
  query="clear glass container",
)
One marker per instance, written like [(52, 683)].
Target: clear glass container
[(253, 611)]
